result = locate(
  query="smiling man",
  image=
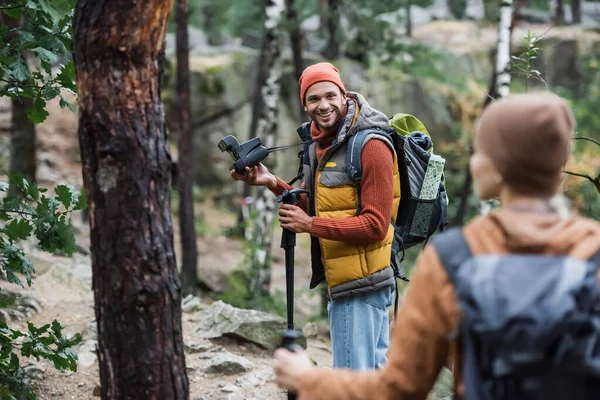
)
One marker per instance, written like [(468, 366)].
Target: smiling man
[(349, 224)]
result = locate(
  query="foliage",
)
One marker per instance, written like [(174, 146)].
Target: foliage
[(33, 212), (40, 34), (237, 293), (522, 64)]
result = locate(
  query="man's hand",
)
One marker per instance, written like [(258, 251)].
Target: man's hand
[(289, 367), (258, 175), (294, 218)]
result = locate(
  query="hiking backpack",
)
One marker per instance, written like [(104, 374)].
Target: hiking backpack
[(530, 323), (417, 218)]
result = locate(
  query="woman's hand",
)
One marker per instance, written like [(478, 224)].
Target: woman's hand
[(289, 367), (258, 175)]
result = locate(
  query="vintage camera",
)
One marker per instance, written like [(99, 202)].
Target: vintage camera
[(247, 154)]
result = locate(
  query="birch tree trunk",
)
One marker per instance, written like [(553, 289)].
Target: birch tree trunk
[(189, 252), (264, 206), (126, 169), (296, 44), (502, 71)]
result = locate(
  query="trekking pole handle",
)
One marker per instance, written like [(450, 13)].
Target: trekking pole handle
[(288, 339), (291, 196)]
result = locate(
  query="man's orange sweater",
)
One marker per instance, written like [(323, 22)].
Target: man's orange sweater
[(377, 195)]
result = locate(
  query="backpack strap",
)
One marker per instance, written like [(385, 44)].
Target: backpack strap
[(453, 250)]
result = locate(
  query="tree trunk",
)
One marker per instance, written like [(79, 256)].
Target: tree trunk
[(576, 11), (22, 131), (502, 67), (408, 19), (333, 20), (258, 105), (189, 252), (503, 55), (559, 16), (22, 140), (266, 123), (126, 170), (296, 43)]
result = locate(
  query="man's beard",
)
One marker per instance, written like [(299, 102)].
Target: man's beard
[(329, 122)]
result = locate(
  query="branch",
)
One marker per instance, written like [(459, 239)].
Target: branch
[(13, 7), (588, 139), (18, 212), (221, 113), (595, 181)]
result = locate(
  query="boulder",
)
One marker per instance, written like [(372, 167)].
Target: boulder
[(227, 363), (221, 319)]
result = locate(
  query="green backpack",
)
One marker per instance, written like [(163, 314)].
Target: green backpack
[(424, 202)]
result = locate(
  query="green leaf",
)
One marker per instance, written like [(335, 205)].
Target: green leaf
[(82, 201), (18, 229), (18, 70), (66, 77), (37, 112), (50, 92), (13, 12), (64, 103), (45, 55), (67, 195), (67, 238)]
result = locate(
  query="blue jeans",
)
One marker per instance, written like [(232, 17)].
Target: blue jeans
[(359, 325)]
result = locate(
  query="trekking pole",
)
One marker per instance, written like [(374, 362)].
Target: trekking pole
[(288, 243)]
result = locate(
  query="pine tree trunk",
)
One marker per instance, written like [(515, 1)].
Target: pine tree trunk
[(189, 252), (296, 43), (126, 170), (260, 277)]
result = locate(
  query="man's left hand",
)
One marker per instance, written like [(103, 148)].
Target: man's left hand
[(294, 218)]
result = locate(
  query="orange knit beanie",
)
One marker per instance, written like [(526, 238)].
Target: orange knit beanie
[(319, 73)]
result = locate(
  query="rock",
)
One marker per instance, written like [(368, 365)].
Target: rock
[(190, 303), (229, 388), (221, 319), (310, 330), (96, 392), (86, 359), (228, 364), (193, 347), (33, 372), (255, 378), (444, 386)]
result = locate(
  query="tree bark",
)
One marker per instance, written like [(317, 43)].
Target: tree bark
[(332, 50), (126, 171), (502, 72), (576, 11), (265, 64), (23, 160), (260, 277), (22, 141), (559, 16), (408, 18), (189, 252), (296, 43)]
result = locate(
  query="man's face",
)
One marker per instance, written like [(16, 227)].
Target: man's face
[(324, 104)]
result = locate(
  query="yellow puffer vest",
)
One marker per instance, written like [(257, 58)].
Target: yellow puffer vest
[(349, 267)]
